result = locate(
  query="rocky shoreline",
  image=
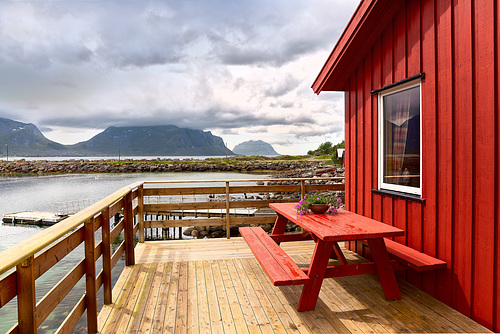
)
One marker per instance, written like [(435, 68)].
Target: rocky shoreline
[(158, 165)]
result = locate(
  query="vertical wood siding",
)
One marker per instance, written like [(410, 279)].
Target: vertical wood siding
[(456, 43), (496, 313)]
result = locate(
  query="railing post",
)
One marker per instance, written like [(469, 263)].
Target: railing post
[(140, 202), (228, 218), (106, 257), (90, 276), (26, 301), (128, 216), (302, 189)]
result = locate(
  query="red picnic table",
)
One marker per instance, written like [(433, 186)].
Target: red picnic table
[(326, 230)]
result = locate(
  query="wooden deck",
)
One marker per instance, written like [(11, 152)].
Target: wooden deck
[(217, 286)]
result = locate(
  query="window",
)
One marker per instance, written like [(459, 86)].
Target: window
[(400, 159)]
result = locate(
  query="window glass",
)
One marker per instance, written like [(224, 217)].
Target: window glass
[(401, 140)]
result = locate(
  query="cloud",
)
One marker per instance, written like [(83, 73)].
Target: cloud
[(281, 142), (237, 67)]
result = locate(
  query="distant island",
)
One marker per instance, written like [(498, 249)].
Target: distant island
[(25, 139), (254, 147)]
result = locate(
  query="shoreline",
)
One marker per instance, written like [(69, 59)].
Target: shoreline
[(241, 164)]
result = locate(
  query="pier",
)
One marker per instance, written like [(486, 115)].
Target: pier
[(33, 217)]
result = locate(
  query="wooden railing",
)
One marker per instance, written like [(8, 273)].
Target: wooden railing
[(231, 197), (123, 211)]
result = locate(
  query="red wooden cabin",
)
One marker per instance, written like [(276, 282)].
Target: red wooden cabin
[(422, 120)]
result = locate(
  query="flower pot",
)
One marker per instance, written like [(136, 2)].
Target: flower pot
[(319, 208)]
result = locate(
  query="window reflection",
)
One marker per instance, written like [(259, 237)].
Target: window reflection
[(401, 138)]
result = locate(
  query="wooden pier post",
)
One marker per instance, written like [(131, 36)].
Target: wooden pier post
[(90, 276), (228, 218), (128, 216), (140, 202), (302, 189), (106, 256), (26, 301)]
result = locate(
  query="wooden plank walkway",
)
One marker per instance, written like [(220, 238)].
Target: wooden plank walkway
[(217, 286)]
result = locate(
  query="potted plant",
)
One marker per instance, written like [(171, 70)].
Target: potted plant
[(319, 202)]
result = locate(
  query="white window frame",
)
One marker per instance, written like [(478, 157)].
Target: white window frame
[(381, 184)]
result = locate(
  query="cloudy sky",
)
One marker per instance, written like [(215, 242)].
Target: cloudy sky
[(240, 69)]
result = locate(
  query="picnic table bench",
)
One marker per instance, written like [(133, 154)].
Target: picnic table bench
[(327, 230)]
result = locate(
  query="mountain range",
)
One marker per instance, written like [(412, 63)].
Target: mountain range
[(23, 139), (254, 147)]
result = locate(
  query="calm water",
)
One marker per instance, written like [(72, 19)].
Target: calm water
[(39, 193)]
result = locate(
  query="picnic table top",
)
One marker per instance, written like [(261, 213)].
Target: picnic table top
[(341, 226)]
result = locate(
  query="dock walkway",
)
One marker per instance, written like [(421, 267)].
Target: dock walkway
[(33, 217), (203, 286)]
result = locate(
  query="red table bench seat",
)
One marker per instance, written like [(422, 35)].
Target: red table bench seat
[(279, 267), (411, 258)]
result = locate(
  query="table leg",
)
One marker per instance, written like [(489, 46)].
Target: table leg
[(279, 226), (316, 273), (384, 269), (337, 254)]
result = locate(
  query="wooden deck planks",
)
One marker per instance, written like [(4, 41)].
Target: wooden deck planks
[(244, 302), (222, 299), (234, 295), (149, 311), (181, 307), (161, 302), (284, 314), (142, 295), (264, 298), (255, 304), (192, 322), (232, 298), (203, 315), (173, 303), (213, 304)]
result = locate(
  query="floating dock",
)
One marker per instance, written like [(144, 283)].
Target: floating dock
[(205, 212), (33, 217), (51, 218)]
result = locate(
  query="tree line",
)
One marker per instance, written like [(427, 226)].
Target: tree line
[(327, 148)]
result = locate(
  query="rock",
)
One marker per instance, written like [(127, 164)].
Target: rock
[(217, 234), (267, 227), (188, 231)]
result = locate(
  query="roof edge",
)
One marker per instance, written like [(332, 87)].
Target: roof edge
[(359, 30), (341, 43)]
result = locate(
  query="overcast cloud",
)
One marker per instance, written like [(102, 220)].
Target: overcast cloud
[(241, 69)]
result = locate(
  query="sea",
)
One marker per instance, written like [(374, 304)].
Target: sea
[(42, 193)]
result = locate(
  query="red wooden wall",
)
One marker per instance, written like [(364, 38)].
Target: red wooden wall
[(457, 45)]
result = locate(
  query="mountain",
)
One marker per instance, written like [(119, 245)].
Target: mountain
[(163, 140), (254, 147), (153, 140), (25, 139)]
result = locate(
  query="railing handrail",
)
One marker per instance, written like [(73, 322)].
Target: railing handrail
[(246, 180), (14, 255)]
